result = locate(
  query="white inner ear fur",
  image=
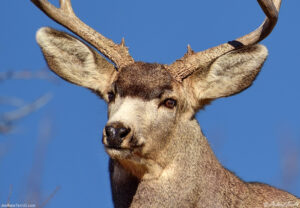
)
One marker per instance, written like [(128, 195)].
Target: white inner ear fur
[(74, 61), (231, 73)]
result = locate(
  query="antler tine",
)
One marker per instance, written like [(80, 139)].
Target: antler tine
[(271, 10), (185, 66), (65, 16), (66, 6)]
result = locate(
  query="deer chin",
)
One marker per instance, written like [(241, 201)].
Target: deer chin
[(119, 153), (132, 161)]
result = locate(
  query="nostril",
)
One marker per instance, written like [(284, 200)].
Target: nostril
[(110, 131), (123, 132)]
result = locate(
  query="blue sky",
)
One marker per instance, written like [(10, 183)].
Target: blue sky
[(253, 133)]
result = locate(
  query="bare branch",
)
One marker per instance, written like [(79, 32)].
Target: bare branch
[(26, 74), (5, 127), (50, 197), (6, 119), (9, 194), (27, 109), (290, 163), (13, 101), (33, 192)]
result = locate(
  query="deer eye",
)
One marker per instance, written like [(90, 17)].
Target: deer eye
[(170, 103), (111, 97)]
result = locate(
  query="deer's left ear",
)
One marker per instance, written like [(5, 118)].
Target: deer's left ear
[(229, 74)]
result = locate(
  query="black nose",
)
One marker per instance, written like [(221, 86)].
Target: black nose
[(115, 134)]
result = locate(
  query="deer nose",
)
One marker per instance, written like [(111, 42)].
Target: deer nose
[(115, 134)]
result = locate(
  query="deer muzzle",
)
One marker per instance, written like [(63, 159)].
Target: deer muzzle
[(114, 134)]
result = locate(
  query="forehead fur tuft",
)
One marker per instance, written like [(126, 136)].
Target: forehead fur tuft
[(144, 80)]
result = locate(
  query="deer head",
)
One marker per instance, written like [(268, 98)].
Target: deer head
[(149, 103)]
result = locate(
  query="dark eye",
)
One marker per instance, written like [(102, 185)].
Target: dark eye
[(111, 97), (170, 103)]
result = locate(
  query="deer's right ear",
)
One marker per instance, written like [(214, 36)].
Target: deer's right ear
[(74, 61)]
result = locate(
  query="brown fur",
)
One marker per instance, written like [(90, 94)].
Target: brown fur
[(165, 160), (144, 80)]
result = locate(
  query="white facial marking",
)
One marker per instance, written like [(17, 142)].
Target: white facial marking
[(125, 110)]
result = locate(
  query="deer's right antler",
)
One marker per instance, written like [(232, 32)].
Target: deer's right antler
[(191, 62), (117, 53)]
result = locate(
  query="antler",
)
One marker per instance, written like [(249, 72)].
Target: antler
[(191, 61), (65, 16)]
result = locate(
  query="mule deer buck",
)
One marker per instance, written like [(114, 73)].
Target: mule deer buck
[(158, 154)]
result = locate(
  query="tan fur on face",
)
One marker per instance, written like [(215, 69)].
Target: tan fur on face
[(151, 128)]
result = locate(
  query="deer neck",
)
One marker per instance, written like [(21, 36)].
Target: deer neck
[(188, 148), (192, 165)]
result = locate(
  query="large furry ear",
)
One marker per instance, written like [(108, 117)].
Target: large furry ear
[(74, 61), (229, 74)]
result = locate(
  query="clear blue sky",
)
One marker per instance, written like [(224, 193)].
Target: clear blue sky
[(252, 133)]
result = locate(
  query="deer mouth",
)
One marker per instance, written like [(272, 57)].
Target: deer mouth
[(122, 150), (119, 153), (123, 153)]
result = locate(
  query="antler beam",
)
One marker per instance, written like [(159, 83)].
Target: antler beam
[(189, 63), (65, 16)]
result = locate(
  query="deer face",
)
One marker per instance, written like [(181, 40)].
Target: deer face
[(144, 104)]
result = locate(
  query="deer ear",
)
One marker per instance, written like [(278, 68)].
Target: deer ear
[(74, 61), (230, 73)]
